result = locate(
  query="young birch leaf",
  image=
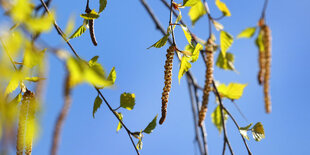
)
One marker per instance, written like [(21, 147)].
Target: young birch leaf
[(128, 101), (196, 12), (139, 144), (218, 26), (89, 16), (258, 131), (160, 43), (222, 7), (196, 52), (151, 126), (233, 91), (216, 118), (120, 116), (184, 67), (226, 62), (259, 42), (187, 34), (93, 61), (226, 41), (244, 131), (70, 26), (13, 84), (103, 4), (34, 79), (190, 2), (40, 24), (247, 33), (78, 32), (97, 104), (112, 75)]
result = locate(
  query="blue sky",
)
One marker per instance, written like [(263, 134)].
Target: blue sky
[(125, 30)]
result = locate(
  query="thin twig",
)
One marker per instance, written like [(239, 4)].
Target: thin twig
[(264, 9), (244, 141), (222, 118), (170, 23), (60, 32)]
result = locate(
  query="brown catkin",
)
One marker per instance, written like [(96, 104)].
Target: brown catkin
[(261, 62), (92, 31), (207, 87), (267, 48), (167, 87)]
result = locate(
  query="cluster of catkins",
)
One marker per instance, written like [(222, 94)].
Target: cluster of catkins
[(265, 62)]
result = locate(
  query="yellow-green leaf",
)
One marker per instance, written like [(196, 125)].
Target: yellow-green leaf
[(112, 75), (196, 12), (222, 7), (233, 91), (226, 41), (21, 10), (41, 24), (225, 62), (93, 61), (151, 126), (184, 67), (97, 104), (160, 43), (139, 144), (216, 118), (187, 34), (12, 43), (34, 79), (70, 26), (259, 42), (128, 101), (13, 84), (89, 16), (247, 33), (244, 131), (33, 56), (196, 52), (78, 32), (120, 116), (102, 5), (190, 2), (258, 131)]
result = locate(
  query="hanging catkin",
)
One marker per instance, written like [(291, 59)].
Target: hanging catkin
[(267, 48), (167, 87), (91, 26), (261, 62), (29, 97), (208, 82)]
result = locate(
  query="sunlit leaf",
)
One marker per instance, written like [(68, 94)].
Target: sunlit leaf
[(89, 16), (247, 33), (216, 118), (78, 32), (128, 101), (112, 75), (190, 2), (97, 104), (184, 67), (226, 41), (41, 24), (102, 5), (120, 116), (187, 34), (225, 62), (259, 42), (33, 56), (13, 84), (151, 126), (12, 43), (21, 10), (70, 26), (196, 52), (196, 12), (160, 43), (218, 26), (244, 131), (34, 79), (222, 6), (258, 131), (93, 61), (233, 91)]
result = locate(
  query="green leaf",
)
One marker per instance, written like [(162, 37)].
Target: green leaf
[(244, 131), (112, 75), (78, 32), (184, 67), (103, 4), (216, 118), (128, 101), (187, 34), (225, 62), (160, 43), (258, 131), (195, 53), (196, 12), (247, 33), (233, 91), (222, 7), (34, 79), (120, 116), (226, 41), (89, 16), (93, 61), (190, 2), (259, 42), (151, 126), (97, 104)]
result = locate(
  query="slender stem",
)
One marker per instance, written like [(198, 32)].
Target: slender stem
[(170, 23), (60, 32), (264, 9), (244, 141), (222, 118)]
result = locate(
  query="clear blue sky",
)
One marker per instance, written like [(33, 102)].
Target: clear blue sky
[(125, 30)]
